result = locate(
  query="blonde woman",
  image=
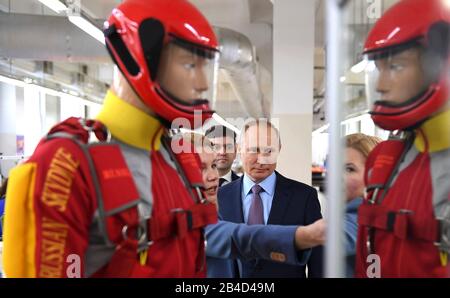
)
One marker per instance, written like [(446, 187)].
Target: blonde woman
[(357, 149)]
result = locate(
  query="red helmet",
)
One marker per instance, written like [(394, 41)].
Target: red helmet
[(136, 35), (421, 24)]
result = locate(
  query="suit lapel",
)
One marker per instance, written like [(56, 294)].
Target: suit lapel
[(234, 176), (281, 200), (232, 209)]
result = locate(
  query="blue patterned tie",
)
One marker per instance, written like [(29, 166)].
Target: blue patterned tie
[(256, 214)]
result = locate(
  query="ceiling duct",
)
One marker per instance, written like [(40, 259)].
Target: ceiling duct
[(239, 60), (47, 38), (54, 38)]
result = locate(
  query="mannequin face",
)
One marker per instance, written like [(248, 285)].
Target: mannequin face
[(183, 74), (354, 173), (400, 77)]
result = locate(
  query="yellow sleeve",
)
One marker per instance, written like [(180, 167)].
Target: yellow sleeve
[(19, 233)]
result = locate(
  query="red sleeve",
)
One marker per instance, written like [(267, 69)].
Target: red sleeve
[(47, 224)]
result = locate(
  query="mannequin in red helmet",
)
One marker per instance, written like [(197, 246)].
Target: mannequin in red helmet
[(403, 222), (127, 206)]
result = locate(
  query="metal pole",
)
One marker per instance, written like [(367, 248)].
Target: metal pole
[(334, 250)]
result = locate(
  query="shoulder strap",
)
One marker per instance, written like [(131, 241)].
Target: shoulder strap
[(115, 191), (383, 163), (188, 165)]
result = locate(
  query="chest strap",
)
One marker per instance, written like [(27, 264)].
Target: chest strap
[(401, 223), (180, 221)]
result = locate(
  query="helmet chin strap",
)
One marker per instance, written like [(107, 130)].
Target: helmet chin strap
[(171, 97), (419, 99), (403, 104)]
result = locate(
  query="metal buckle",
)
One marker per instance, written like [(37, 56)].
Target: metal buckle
[(124, 232), (444, 229), (90, 130), (374, 196), (444, 235), (143, 242), (203, 200), (82, 122)]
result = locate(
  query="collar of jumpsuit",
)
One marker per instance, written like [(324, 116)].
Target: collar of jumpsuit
[(129, 124), (435, 131)]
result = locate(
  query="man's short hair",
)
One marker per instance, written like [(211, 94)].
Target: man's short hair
[(220, 131), (259, 122)]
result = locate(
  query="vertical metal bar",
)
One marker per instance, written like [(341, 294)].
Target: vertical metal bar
[(334, 251)]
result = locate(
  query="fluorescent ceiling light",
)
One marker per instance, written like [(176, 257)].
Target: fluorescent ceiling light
[(371, 66), (359, 67), (13, 82), (363, 65), (19, 83), (87, 27), (321, 129), (364, 116), (54, 5)]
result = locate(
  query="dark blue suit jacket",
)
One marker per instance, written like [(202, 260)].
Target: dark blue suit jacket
[(294, 203), (234, 176)]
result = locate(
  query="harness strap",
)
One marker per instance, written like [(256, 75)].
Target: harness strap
[(117, 203), (383, 164), (401, 223), (180, 221)]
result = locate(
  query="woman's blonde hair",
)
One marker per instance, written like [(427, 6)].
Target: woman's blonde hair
[(362, 143)]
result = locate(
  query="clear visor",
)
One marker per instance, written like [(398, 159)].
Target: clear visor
[(187, 73), (396, 78)]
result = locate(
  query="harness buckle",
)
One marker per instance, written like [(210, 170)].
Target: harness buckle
[(142, 236), (444, 235), (89, 127), (444, 229)]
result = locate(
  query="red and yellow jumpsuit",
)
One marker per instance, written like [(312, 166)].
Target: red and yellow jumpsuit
[(53, 214), (405, 230)]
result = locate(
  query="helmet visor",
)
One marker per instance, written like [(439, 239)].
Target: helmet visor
[(395, 79), (188, 73)]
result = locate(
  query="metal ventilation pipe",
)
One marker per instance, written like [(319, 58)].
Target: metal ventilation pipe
[(239, 60), (53, 38), (47, 38)]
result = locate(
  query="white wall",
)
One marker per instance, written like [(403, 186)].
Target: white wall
[(7, 126), (29, 111), (71, 108), (52, 108), (34, 117), (293, 78)]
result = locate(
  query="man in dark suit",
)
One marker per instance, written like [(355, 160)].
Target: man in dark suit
[(263, 196), (224, 144)]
